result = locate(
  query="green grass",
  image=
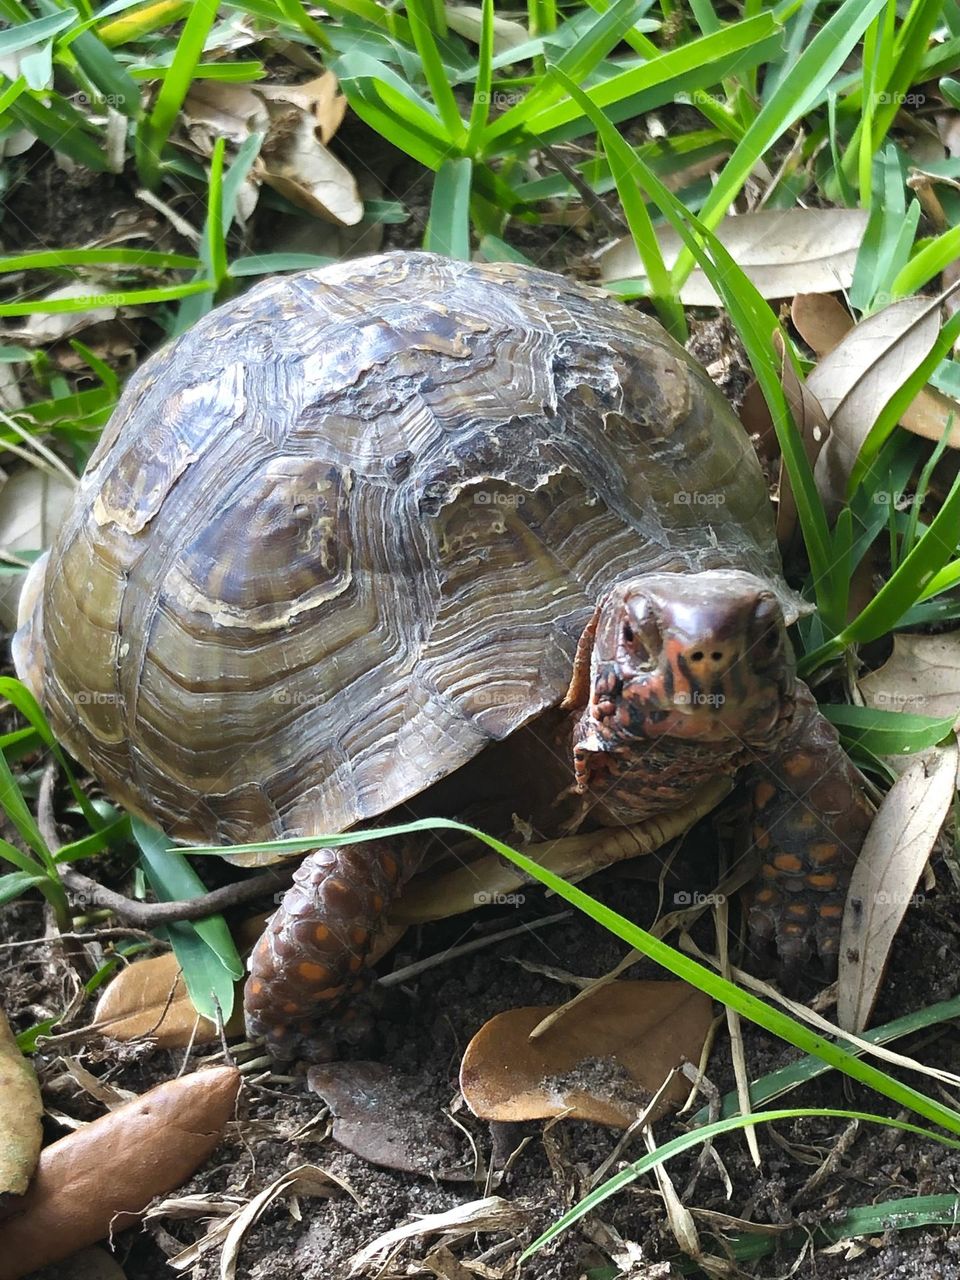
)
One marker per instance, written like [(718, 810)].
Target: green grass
[(818, 85)]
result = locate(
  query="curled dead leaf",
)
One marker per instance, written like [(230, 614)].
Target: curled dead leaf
[(490, 1214), (321, 98), (305, 1180), (101, 305), (296, 163), (298, 120), (893, 856), (21, 1112), (602, 1061), (782, 251), (100, 1178), (823, 323), (858, 376)]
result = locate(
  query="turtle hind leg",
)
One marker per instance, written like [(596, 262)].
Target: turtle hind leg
[(810, 816), (310, 967)]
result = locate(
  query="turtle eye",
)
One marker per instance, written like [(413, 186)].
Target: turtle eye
[(767, 637), (640, 636)]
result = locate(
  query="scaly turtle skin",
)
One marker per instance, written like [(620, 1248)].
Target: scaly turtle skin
[(367, 522)]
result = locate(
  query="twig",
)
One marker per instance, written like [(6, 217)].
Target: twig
[(147, 915), (587, 194), (409, 971)]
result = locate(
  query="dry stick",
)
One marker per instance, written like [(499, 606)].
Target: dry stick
[(147, 915), (605, 216)]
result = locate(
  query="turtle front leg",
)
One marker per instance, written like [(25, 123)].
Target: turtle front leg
[(312, 957), (810, 816)]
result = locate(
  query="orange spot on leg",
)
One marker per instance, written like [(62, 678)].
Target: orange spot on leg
[(822, 880), (763, 793), (787, 862)]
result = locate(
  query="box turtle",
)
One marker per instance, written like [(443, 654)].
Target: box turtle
[(364, 523)]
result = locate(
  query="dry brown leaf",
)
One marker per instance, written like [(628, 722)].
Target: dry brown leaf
[(100, 1178), (782, 251), (234, 111), (930, 413), (490, 1214), (214, 108), (40, 329), (890, 863), (298, 121), (599, 1062), (382, 1116), (821, 320), (921, 676), (467, 21), (854, 381), (148, 999), (21, 1112)]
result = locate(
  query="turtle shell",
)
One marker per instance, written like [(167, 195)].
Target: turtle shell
[(346, 531)]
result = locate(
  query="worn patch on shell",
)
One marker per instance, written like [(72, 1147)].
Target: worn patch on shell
[(392, 340), (134, 487), (281, 548)]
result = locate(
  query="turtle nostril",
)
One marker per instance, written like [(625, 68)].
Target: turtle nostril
[(697, 657), (716, 656)]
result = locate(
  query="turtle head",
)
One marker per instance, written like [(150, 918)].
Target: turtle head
[(702, 657)]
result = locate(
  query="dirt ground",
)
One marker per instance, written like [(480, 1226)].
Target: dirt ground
[(422, 1031), (425, 1024)]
